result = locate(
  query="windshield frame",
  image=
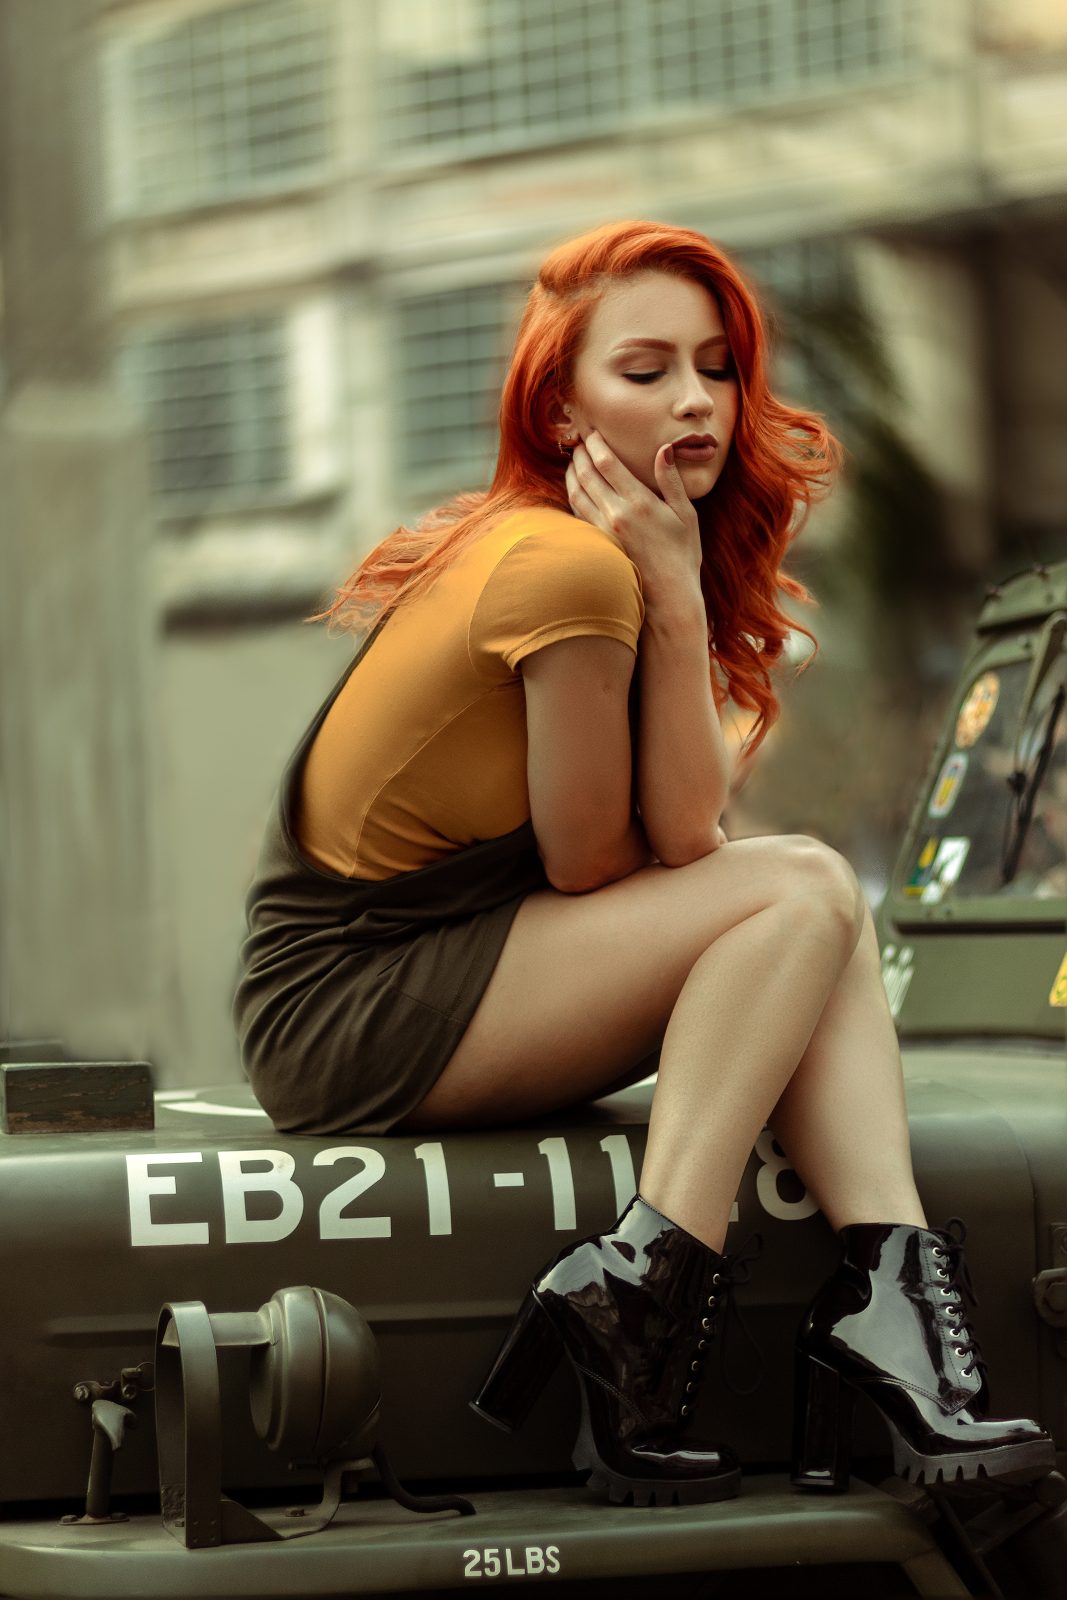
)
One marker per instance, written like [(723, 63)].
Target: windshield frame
[(986, 911)]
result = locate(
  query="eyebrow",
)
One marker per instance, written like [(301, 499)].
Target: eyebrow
[(665, 344)]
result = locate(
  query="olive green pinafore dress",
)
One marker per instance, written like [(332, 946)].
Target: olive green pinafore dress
[(353, 994)]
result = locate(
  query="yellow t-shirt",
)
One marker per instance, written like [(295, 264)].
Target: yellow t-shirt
[(423, 752)]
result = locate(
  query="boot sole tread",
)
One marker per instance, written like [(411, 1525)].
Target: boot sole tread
[(1011, 1464), (622, 1491)]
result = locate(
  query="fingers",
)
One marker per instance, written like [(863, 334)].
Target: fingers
[(607, 464), (670, 479), (590, 492), (604, 491), (587, 471), (581, 504)]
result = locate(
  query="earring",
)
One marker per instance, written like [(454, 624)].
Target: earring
[(565, 445)]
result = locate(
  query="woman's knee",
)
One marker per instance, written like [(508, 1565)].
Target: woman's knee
[(814, 870)]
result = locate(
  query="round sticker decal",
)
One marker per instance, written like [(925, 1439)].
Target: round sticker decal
[(977, 709)]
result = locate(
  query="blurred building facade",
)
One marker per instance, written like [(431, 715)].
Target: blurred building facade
[(322, 215)]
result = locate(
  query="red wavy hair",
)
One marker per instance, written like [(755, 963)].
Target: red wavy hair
[(781, 460)]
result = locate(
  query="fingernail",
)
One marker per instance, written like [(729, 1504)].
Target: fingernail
[(668, 455)]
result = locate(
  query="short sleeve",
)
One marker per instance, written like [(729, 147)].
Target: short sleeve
[(555, 584)]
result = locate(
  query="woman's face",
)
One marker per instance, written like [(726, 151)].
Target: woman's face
[(654, 368)]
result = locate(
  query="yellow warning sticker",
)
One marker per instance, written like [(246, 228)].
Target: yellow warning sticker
[(1058, 992), (920, 874), (945, 790)]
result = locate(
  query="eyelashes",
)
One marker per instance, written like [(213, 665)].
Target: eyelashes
[(718, 373)]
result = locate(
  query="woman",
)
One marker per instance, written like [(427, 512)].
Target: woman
[(496, 882)]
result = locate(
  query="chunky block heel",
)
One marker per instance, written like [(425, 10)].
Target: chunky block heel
[(893, 1315), (635, 1310), (822, 1427), (523, 1366)]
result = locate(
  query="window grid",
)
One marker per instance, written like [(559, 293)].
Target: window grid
[(742, 50), (531, 71), (803, 270), (215, 398), (230, 102), (538, 66), (453, 349), (805, 274)]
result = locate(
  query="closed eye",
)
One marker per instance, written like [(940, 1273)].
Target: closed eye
[(720, 374)]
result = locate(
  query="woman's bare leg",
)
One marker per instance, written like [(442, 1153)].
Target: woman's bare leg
[(841, 1118), (730, 963), (742, 1022)]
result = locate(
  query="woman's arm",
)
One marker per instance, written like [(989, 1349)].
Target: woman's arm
[(580, 762), (683, 765)]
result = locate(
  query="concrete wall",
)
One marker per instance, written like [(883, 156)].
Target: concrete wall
[(232, 703)]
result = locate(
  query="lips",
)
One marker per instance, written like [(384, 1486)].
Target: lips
[(695, 447)]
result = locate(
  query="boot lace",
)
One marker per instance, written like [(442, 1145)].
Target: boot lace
[(733, 1269), (956, 1287)]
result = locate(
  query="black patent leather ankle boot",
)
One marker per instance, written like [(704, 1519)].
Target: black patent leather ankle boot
[(891, 1322), (635, 1310)]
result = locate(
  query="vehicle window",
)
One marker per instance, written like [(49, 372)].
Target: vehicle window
[(975, 838)]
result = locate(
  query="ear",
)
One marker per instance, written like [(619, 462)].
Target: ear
[(560, 418)]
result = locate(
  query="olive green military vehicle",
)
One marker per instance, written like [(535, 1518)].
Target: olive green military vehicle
[(201, 1315)]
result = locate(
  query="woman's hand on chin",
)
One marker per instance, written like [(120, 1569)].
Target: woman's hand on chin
[(661, 536)]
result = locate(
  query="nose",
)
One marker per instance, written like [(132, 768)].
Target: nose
[(693, 398)]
